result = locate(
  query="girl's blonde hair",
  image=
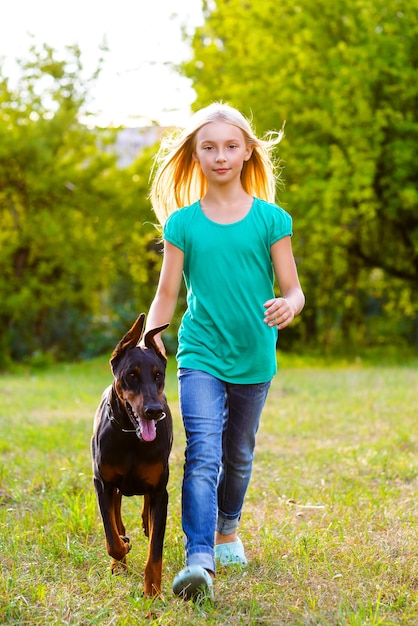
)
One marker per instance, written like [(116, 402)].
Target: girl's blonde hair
[(178, 180)]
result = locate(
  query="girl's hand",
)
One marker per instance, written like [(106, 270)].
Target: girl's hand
[(279, 312)]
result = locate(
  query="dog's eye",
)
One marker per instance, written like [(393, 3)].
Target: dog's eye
[(158, 376), (131, 376)]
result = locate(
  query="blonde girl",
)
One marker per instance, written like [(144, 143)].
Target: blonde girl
[(213, 192)]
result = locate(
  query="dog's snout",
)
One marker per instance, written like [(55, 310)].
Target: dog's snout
[(153, 411)]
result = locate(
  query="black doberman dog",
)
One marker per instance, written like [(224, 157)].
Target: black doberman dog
[(131, 444)]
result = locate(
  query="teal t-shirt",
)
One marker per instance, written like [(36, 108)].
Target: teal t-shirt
[(229, 275)]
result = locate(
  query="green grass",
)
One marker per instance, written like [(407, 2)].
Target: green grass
[(329, 526)]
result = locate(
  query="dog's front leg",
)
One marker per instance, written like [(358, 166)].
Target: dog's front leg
[(156, 509), (117, 545)]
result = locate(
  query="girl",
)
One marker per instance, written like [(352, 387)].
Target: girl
[(226, 241)]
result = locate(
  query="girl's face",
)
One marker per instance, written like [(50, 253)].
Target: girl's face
[(221, 151)]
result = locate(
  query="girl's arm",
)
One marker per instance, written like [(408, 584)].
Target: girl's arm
[(281, 311), (163, 306)]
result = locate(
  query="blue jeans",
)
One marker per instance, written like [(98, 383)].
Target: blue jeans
[(221, 421)]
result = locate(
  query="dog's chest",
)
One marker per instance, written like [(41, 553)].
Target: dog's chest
[(135, 478), (144, 480)]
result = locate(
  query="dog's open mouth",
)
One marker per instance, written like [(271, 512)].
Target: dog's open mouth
[(145, 429)]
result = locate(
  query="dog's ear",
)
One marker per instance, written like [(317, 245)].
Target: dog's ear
[(130, 340), (149, 339)]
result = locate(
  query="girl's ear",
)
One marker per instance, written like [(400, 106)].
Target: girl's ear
[(194, 156), (248, 153)]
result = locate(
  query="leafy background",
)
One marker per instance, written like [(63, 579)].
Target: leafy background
[(79, 253)]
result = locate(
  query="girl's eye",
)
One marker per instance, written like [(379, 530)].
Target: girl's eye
[(232, 146)]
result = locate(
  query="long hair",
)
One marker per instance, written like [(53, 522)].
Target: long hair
[(178, 180)]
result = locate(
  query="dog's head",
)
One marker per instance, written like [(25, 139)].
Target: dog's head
[(139, 378)]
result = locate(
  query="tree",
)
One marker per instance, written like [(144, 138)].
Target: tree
[(343, 76), (63, 207)]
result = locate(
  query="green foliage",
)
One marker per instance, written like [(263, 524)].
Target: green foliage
[(71, 221), (343, 76), (79, 253)]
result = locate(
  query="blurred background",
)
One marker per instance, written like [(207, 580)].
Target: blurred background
[(87, 90)]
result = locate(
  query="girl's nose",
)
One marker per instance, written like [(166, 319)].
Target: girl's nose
[(220, 157)]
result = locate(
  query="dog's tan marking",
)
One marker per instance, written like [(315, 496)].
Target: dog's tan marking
[(151, 474), (110, 473)]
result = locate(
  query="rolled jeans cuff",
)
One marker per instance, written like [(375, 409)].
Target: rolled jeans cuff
[(204, 559), (226, 526)]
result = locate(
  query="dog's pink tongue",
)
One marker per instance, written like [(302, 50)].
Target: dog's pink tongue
[(148, 430)]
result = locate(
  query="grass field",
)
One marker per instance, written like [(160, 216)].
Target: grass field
[(330, 523)]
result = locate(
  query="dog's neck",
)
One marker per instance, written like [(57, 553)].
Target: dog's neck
[(113, 400)]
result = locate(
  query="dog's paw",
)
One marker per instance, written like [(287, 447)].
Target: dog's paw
[(119, 567)]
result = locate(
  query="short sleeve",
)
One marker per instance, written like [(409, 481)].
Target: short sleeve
[(173, 230), (281, 225)]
